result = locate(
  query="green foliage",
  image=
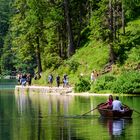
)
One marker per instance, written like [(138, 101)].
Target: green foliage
[(128, 82), (132, 8), (85, 36), (73, 65), (51, 61), (129, 41), (82, 85), (7, 57), (98, 21), (5, 13), (103, 83), (91, 56)]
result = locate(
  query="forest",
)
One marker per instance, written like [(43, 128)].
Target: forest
[(73, 37)]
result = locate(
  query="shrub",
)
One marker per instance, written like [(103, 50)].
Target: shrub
[(103, 83), (128, 82), (83, 85), (73, 65)]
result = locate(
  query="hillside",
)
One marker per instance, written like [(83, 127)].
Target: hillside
[(94, 56)]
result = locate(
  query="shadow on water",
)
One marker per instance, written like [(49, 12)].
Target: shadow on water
[(116, 127)]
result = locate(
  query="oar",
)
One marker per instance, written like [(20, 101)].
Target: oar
[(125, 105), (93, 109), (90, 111), (136, 111), (132, 109)]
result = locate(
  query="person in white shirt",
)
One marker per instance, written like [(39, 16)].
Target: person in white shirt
[(116, 104), (92, 77)]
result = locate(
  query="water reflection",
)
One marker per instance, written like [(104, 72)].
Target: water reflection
[(43, 104), (116, 127), (21, 102), (52, 117), (57, 117)]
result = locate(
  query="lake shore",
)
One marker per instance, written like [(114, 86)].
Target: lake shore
[(55, 90), (61, 91)]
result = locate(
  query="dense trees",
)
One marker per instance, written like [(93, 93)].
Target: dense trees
[(40, 34), (5, 13)]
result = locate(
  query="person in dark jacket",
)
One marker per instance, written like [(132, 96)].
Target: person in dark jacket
[(28, 79), (58, 80)]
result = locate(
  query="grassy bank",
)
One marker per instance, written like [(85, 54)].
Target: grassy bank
[(124, 75)]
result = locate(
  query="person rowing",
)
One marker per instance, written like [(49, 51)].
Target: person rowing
[(117, 105)]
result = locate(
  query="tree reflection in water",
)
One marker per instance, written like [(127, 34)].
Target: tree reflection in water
[(53, 117)]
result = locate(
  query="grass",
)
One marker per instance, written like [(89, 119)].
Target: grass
[(94, 56), (91, 57)]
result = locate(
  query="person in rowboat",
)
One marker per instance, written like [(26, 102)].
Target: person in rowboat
[(117, 105), (108, 104), (110, 101)]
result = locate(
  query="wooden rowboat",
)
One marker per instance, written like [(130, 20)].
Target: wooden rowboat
[(108, 113)]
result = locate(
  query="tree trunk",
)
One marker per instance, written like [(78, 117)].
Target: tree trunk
[(71, 48)]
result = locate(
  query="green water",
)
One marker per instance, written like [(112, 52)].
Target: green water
[(6, 84), (51, 117)]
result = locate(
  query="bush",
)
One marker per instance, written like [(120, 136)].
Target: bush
[(83, 85), (128, 82), (73, 65), (103, 83)]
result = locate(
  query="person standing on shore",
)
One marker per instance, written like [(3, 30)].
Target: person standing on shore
[(58, 80), (92, 77), (28, 79), (50, 80), (23, 80), (65, 81), (19, 76)]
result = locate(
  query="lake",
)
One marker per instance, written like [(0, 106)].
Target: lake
[(32, 116)]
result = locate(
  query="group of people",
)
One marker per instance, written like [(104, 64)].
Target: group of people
[(58, 81), (114, 104), (24, 79)]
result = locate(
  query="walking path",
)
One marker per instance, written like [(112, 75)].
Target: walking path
[(54, 90), (45, 89)]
